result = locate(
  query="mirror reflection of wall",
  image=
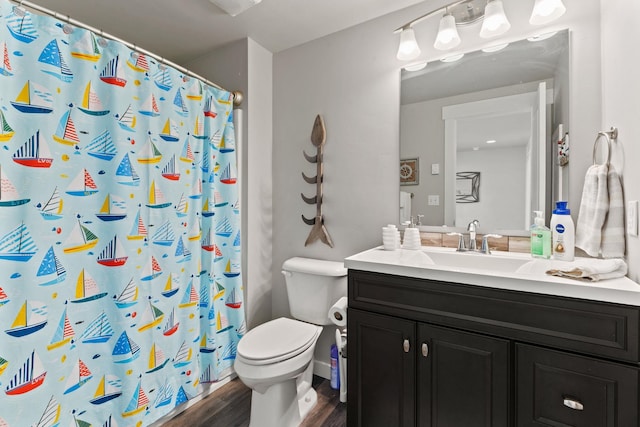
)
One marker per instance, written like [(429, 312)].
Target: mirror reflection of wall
[(483, 78)]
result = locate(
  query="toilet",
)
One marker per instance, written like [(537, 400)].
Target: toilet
[(275, 359)]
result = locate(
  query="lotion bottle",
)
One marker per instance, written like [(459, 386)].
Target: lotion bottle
[(540, 238), (562, 233)]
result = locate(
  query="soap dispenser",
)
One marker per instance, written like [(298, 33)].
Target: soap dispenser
[(411, 239), (540, 238)]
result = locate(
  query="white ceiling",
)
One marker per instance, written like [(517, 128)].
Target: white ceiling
[(181, 30)]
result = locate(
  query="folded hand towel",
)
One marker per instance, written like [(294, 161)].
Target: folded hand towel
[(593, 270), (613, 239), (593, 210)]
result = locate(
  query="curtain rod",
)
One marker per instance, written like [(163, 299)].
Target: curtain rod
[(237, 95)]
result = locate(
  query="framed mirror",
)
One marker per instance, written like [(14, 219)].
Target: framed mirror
[(493, 114)]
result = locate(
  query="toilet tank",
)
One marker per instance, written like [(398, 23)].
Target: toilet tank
[(313, 286)]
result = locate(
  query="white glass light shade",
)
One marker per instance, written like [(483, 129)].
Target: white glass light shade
[(495, 22), (495, 48), (417, 66), (408, 48), (448, 37), (453, 58), (545, 11)]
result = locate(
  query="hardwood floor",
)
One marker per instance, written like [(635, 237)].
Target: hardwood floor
[(230, 407)]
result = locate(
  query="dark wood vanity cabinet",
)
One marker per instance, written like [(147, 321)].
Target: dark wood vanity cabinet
[(426, 353), (386, 372)]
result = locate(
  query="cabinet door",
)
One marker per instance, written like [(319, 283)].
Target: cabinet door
[(463, 379), (381, 374), (560, 389)]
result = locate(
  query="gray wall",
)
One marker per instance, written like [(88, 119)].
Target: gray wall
[(621, 88)]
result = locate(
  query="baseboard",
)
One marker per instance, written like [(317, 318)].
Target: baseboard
[(322, 369), (207, 390)]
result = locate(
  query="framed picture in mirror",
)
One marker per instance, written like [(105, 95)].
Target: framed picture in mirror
[(409, 171), (467, 187)]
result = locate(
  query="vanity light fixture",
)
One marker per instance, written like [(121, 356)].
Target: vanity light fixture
[(495, 48), (452, 58), (545, 11), (495, 22), (540, 37), (416, 66), (462, 12), (448, 36), (408, 49)]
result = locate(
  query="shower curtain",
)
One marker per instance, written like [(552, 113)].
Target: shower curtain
[(120, 285)]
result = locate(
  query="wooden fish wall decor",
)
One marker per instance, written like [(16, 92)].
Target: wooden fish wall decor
[(319, 231)]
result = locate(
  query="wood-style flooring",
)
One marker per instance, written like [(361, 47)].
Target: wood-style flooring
[(230, 406)]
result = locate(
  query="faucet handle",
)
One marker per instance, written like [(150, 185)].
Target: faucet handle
[(485, 242), (461, 245)]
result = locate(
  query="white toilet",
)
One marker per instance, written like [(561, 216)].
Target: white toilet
[(275, 359)]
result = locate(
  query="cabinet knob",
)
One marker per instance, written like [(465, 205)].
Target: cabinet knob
[(573, 404), (406, 346), (425, 349)]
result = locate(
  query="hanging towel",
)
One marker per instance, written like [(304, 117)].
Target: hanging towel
[(593, 210), (405, 206), (613, 239), (593, 270)]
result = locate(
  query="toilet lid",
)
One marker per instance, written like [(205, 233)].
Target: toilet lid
[(277, 340)]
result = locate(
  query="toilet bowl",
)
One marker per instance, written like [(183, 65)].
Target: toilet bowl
[(275, 359), (281, 375)]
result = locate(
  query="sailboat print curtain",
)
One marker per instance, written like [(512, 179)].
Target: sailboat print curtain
[(120, 288)]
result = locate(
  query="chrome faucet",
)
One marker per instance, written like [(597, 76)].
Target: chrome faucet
[(471, 228)]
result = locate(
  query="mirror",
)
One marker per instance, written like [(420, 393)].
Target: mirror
[(450, 116)]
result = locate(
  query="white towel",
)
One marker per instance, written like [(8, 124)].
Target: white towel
[(593, 210), (613, 238), (405, 206), (593, 270)]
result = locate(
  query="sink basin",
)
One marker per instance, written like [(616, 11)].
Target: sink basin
[(497, 262)]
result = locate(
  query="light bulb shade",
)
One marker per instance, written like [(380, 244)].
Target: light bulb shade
[(545, 11), (448, 36), (495, 22), (408, 48), (416, 66)]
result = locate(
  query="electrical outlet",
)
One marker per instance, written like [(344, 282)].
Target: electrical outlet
[(433, 200), (632, 218), (435, 168)]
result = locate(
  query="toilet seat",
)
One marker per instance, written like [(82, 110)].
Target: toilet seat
[(277, 340)]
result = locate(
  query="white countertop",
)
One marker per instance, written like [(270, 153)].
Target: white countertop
[(417, 264)]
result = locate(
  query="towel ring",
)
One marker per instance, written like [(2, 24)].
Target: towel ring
[(608, 135)]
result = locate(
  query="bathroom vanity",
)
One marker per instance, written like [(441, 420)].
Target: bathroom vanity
[(488, 343)]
